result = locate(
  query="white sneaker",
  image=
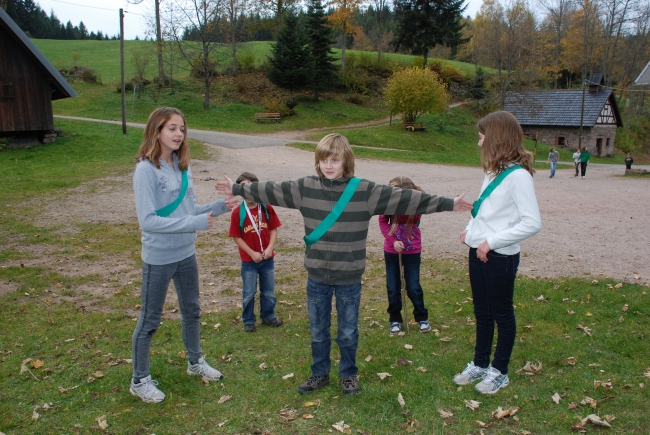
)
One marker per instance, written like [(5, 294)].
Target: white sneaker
[(470, 374), (202, 368), (493, 382), (395, 328), (424, 326), (147, 390)]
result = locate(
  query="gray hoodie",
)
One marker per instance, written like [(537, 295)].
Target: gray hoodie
[(168, 239)]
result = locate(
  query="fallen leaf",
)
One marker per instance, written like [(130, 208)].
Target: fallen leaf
[(445, 339), (584, 329), (263, 366), (619, 285), (342, 427), (503, 413), (540, 298), (625, 307), (531, 369), (37, 364), (222, 423), (35, 415), (23, 366), (310, 404), (368, 358), (421, 369), (408, 347), (595, 420), (646, 373), (589, 401), (570, 312), (224, 399), (65, 390), (101, 422), (288, 414), (556, 398), (571, 360), (285, 377), (383, 376), (605, 384), (445, 414), (472, 404), (573, 405), (217, 326), (482, 425), (400, 400), (594, 282), (308, 416), (403, 362)]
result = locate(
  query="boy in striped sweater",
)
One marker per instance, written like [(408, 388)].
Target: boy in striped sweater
[(336, 262)]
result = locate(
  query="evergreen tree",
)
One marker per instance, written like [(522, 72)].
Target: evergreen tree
[(291, 62), (320, 38), (423, 24)]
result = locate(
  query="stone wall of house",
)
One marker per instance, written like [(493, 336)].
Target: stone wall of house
[(550, 136)]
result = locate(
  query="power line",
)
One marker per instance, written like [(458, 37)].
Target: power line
[(617, 89), (95, 7)]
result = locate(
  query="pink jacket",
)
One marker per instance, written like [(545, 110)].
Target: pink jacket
[(412, 246)]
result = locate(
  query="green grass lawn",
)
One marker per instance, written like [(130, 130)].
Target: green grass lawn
[(79, 343)]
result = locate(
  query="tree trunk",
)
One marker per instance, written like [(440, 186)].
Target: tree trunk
[(345, 39), (206, 77), (159, 46)]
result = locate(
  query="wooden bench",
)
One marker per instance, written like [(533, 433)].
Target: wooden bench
[(414, 126), (259, 117)]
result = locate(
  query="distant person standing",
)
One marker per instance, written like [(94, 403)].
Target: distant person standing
[(628, 161), (576, 160), (584, 159), (553, 155)]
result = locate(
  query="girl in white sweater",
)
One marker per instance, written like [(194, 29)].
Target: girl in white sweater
[(505, 214)]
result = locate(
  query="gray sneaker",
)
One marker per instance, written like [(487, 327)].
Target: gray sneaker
[(493, 382), (147, 390), (275, 322), (470, 374), (313, 383), (203, 369), (350, 385)]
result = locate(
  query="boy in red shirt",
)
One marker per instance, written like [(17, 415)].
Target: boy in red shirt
[(254, 228)]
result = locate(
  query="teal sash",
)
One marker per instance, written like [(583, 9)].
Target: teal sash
[(169, 208), (493, 185), (331, 218), (242, 216)]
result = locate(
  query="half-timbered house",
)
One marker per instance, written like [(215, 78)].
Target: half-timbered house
[(28, 83), (555, 117)]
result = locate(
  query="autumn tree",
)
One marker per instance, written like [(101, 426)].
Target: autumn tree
[(423, 24), (414, 92), (582, 46), (343, 20), (195, 27), (555, 26), (234, 10)]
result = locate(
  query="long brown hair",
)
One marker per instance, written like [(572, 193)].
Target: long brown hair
[(503, 143), (150, 147), (335, 145), (402, 183)]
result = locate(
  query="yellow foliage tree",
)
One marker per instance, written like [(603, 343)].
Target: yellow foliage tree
[(414, 92), (343, 20)]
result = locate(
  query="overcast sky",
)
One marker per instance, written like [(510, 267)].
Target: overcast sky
[(103, 14)]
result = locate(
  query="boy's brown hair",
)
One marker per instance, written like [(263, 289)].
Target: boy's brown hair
[(338, 146), (247, 176), (503, 143)]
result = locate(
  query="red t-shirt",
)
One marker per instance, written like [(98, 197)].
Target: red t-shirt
[(249, 234)]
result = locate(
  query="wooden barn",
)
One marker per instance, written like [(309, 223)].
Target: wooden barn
[(555, 116), (28, 84)]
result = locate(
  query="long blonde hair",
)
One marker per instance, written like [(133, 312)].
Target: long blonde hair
[(150, 148), (402, 183), (335, 145), (503, 143)]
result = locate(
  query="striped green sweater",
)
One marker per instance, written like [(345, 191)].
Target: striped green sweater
[(339, 257)]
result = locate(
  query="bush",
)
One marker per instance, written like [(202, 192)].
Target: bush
[(414, 92), (198, 69), (246, 61), (275, 105)]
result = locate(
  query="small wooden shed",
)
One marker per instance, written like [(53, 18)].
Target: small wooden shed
[(28, 83), (555, 116)]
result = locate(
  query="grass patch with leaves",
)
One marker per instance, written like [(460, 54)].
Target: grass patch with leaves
[(84, 373)]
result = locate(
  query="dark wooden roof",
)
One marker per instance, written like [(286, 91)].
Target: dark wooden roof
[(60, 87), (644, 77), (559, 108)]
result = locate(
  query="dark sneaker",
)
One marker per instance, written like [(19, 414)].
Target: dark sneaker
[(275, 322), (424, 326), (350, 385), (313, 383), (395, 328), (249, 327)]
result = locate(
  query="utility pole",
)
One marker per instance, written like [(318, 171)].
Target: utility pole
[(122, 70), (582, 113)]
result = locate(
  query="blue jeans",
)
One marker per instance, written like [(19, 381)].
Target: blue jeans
[(493, 285), (155, 281), (319, 306), (553, 166), (411, 266), (249, 272)]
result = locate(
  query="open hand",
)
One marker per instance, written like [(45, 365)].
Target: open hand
[(224, 187), (461, 205)]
